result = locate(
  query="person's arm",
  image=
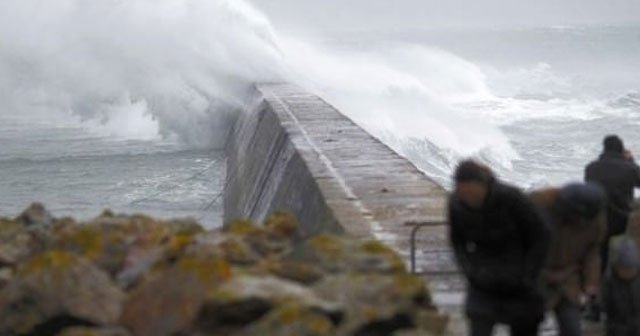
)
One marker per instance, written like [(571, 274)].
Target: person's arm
[(587, 174), (457, 239), (636, 175), (536, 235), (591, 265)]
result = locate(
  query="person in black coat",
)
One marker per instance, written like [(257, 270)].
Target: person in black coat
[(618, 175), (621, 290), (500, 242)]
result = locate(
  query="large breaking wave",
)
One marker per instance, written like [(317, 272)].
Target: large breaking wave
[(182, 68)]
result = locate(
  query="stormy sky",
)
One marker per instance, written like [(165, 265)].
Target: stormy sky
[(385, 14)]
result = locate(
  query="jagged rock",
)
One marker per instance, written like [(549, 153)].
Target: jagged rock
[(433, 321), (376, 304), (56, 290), (232, 248), (241, 280), (88, 331), (15, 242), (36, 215), (264, 242), (291, 320), (337, 254), (104, 246), (299, 271), (247, 298), (170, 302), (118, 242), (6, 274), (282, 225), (138, 263)]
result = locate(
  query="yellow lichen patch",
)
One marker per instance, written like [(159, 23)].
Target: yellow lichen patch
[(307, 322), (185, 226), (84, 240), (327, 244), (282, 224), (293, 270), (408, 285), (51, 259), (241, 227), (376, 247), (370, 313), (207, 270), (237, 252), (177, 244)]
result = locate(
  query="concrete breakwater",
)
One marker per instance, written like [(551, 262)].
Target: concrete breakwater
[(294, 151)]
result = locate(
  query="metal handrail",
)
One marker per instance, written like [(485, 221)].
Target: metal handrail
[(417, 226)]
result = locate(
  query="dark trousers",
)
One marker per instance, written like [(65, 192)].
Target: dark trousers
[(617, 225), (484, 327), (568, 317)]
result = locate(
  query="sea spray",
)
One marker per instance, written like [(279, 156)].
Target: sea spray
[(183, 68)]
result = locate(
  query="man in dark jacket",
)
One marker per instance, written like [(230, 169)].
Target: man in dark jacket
[(500, 242), (618, 174)]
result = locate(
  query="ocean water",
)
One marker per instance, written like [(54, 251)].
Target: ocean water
[(127, 105), (78, 169), (553, 93)]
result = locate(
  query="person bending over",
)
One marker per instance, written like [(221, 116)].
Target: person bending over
[(500, 242)]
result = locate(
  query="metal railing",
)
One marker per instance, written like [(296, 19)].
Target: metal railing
[(417, 226)]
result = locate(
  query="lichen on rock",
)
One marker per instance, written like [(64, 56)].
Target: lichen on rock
[(119, 275)]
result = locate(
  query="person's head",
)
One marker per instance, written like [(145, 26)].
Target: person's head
[(580, 202), (613, 143), (472, 180), (625, 259)]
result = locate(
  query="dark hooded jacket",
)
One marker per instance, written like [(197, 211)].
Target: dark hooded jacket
[(621, 297), (501, 249), (618, 177)]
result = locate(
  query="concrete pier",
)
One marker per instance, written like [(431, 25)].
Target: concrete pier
[(292, 150)]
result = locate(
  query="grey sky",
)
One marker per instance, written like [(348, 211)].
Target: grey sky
[(297, 14)]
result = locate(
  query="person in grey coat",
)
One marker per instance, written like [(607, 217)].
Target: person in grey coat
[(621, 290)]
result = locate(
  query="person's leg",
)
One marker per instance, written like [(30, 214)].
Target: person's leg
[(479, 326), (525, 328), (568, 318)]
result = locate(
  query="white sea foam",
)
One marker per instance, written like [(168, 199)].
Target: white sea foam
[(181, 68)]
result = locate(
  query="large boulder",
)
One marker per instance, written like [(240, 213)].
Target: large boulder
[(170, 302), (15, 243), (247, 298), (36, 215), (55, 290), (291, 320), (119, 275), (339, 254), (128, 244), (377, 304)]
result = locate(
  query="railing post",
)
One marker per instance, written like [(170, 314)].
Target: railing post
[(417, 226)]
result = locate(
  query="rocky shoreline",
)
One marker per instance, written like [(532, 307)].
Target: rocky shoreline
[(119, 275)]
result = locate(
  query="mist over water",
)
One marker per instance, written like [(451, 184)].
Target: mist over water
[(140, 67), (149, 89)]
